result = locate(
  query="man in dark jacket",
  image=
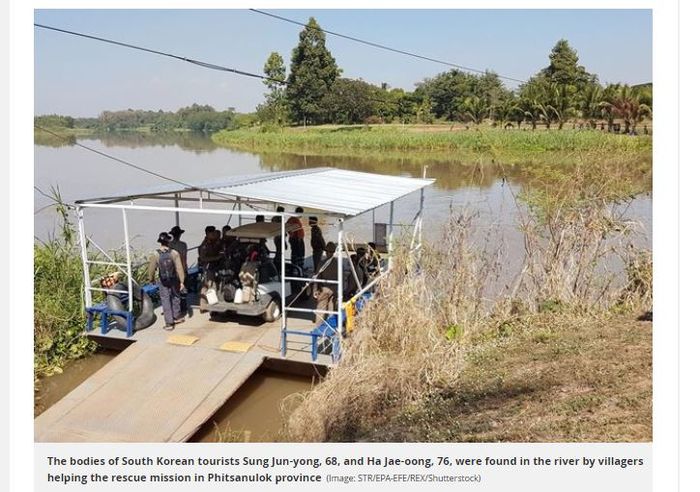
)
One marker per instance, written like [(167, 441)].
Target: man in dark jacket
[(181, 248), (318, 243), (296, 238)]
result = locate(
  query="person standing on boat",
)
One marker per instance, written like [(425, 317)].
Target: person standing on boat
[(326, 294), (318, 243), (172, 279), (296, 238), (210, 258), (181, 248)]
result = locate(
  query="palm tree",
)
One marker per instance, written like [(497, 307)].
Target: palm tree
[(548, 114), (589, 104), (626, 104), (608, 96), (508, 110), (530, 110), (560, 104), (476, 109)]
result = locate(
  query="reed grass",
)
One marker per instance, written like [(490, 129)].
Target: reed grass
[(559, 356), (474, 141)]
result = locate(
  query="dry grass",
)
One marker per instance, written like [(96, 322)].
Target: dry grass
[(543, 378), (433, 360)]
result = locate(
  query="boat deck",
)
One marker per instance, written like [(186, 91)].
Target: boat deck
[(166, 384)]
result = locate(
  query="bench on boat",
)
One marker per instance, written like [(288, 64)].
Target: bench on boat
[(328, 329)]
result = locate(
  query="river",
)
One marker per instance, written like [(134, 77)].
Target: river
[(489, 192)]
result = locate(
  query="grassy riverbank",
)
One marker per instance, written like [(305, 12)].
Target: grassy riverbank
[(558, 356), (58, 313), (498, 143)]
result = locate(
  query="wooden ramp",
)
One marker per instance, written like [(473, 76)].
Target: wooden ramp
[(149, 393)]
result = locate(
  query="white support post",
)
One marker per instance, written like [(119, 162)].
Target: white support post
[(339, 251), (177, 205), (84, 256), (420, 216), (240, 208), (128, 261), (283, 290), (390, 241)]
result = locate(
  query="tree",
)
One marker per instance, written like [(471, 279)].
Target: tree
[(532, 99), (560, 103), (626, 103), (589, 104), (275, 106), (275, 71), (423, 111), (446, 93), (349, 101), (563, 68), (608, 96), (311, 75), (507, 109), (476, 109), (490, 88)]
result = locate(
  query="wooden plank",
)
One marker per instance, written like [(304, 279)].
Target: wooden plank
[(149, 393), (249, 363)]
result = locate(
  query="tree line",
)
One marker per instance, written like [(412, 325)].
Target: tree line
[(314, 92), (196, 117)]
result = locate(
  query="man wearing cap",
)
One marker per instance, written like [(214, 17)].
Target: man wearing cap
[(181, 248), (178, 245), (326, 294), (172, 279)]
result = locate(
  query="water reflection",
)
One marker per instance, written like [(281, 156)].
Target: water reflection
[(45, 139), (190, 141), (486, 188), (448, 174)]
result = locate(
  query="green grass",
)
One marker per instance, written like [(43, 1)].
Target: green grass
[(58, 312), (433, 139)]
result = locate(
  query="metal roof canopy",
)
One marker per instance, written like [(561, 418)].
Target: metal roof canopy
[(334, 191)]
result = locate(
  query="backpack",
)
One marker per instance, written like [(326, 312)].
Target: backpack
[(166, 267)]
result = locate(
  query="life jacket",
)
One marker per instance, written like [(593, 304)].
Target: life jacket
[(166, 268)]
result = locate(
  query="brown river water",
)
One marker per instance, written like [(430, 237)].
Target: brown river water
[(254, 413)]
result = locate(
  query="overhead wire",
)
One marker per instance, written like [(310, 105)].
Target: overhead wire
[(134, 166), (121, 161), (193, 61), (384, 47), (213, 66)]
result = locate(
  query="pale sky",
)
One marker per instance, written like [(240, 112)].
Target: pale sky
[(81, 77)]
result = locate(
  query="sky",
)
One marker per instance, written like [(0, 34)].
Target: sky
[(80, 77)]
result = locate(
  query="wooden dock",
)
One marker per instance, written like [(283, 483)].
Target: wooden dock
[(160, 391)]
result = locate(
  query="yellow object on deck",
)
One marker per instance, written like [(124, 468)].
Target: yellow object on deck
[(234, 346), (182, 339), (350, 315)]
